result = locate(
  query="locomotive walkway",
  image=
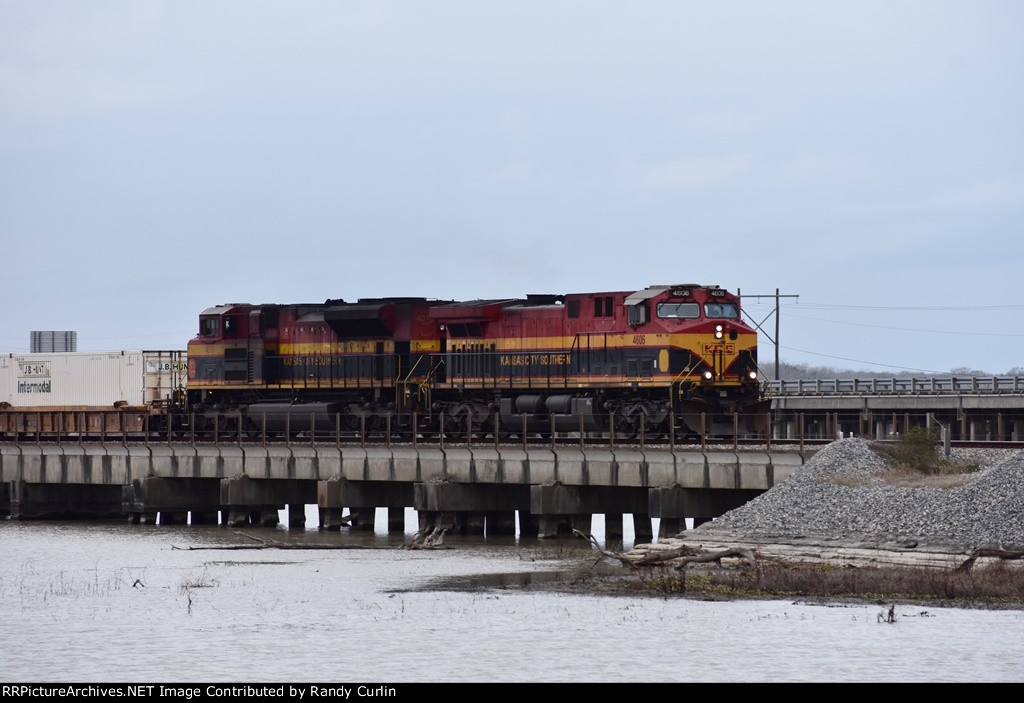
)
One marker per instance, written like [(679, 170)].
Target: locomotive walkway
[(473, 490)]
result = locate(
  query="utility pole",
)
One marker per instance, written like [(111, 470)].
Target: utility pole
[(756, 324)]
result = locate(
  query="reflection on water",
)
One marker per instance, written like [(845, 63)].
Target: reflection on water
[(111, 602)]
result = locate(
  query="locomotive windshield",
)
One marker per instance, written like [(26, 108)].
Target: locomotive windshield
[(726, 310), (678, 310)]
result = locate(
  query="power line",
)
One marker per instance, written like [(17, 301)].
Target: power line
[(904, 308), (906, 329), (757, 324), (862, 361)]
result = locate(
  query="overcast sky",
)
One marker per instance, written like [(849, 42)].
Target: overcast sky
[(157, 158)]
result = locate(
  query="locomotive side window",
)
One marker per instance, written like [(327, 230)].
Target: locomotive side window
[(726, 310), (574, 308), (637, 314), (684, 311), (469, 329), (270, 317), (608, 311), (231, 327), (208, 327), (603, 307)]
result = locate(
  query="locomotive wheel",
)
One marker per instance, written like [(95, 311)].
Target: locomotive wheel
[(660, 432), (459, 424), (627, 428), (400, 431), (375, 426), (230, 428), (504, 432), (485, 429), (204, 429)]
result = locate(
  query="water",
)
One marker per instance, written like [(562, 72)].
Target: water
[(110, 602)]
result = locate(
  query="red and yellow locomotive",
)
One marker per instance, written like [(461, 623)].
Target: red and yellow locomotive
[(641, 357)]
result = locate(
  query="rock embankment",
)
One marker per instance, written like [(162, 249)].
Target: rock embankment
[(840, 503)]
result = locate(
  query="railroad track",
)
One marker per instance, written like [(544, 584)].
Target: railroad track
[(426, 441)]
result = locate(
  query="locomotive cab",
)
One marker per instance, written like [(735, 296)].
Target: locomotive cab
[(712, 351), (225, 358)]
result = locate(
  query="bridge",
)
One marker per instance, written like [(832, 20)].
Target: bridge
[(972, 408), (464, 489), (553, 482)]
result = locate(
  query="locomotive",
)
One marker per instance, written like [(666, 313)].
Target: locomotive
[(634, 360)]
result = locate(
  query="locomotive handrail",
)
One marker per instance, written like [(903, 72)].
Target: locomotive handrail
[(765, 386), (404, 381), (680, 377)]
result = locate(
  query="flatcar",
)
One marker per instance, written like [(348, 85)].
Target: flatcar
[(633, 360)]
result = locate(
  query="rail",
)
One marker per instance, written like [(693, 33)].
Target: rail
[(953, 385)]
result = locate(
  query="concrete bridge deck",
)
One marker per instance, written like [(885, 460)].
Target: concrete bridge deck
[(464, 489)]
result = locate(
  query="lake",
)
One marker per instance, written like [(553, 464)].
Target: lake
[(103, 601)]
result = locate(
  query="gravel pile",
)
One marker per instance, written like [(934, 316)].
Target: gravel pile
[(838, 495)]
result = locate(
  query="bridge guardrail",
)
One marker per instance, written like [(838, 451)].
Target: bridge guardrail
[(953, 385)]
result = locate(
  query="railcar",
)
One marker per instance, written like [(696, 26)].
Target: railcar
[(89, 393), (633, 360)]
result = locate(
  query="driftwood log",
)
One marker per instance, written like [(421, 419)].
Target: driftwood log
[(996, 553), (265, 543), (681, 556)]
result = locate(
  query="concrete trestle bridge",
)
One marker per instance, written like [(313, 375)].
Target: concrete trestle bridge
[(471, 483), (461, 488)]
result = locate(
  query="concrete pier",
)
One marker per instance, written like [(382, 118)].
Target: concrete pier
[(33, 501)]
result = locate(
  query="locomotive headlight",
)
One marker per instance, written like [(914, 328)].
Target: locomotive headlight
[(707, 375), (718, 331), (753, 375)]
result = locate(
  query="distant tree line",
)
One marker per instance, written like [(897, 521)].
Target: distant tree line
[(795, 372)]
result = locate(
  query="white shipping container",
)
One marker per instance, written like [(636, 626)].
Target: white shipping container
[(91, 379)]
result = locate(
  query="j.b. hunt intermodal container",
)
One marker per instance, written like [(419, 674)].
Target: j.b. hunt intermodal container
[(90, 380)]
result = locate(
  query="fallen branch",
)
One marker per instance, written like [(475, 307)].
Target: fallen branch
[(265, 543), (605, 554), (261, 540), (662, 555), (682, 556), (282, 545), (738, 552), (226, 547), (428, 538), (996, 553)]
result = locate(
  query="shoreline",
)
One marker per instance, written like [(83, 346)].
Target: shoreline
[(848, 551), (811, 573)]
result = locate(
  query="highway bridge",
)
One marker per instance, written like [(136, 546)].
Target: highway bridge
[(973, 409)]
